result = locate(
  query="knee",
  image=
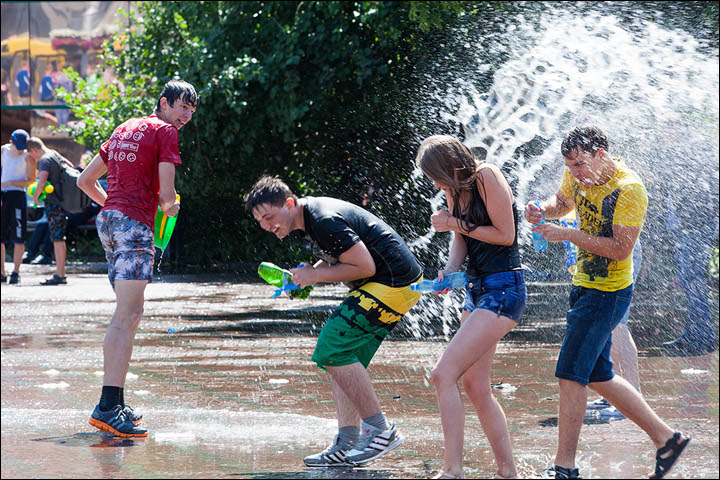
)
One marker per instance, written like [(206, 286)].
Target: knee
[(477, 390), (129, 320), (442, 378)]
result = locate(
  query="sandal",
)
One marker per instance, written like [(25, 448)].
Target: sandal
[(663, 464), (557, 471)]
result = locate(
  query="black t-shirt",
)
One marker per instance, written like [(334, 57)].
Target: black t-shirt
[(334, 226), (49, 163)]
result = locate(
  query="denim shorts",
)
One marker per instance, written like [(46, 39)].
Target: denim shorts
[(585, 353), (129, 246), (503, 293)]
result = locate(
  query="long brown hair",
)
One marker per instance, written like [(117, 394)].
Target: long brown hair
[(448, 162)]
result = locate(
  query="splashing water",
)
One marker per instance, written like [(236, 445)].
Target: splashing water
[(571, 68)]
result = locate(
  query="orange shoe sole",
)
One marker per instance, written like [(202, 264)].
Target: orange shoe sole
[(104, 426)]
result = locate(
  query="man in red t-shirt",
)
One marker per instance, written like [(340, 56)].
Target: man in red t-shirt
[(140, 159)]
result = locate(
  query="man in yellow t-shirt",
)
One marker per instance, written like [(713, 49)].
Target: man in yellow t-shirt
[(611, 202)]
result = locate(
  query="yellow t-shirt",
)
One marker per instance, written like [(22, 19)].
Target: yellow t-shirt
[(621, 201)]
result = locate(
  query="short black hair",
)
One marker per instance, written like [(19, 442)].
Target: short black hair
[(270, 190), (179, 90), (588, 139)]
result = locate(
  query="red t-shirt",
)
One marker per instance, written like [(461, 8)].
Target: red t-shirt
[(133, 155)]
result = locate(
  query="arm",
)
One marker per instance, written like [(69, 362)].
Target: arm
[(42, 180), (618, 247), (88, 180), (168, 196), (556, 206), (355, 263), (498, 200)]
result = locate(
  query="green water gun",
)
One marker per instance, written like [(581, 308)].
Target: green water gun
[(164, 227), (281, 278), (46, 191)]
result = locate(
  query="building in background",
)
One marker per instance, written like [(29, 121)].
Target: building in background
[(39, 40)]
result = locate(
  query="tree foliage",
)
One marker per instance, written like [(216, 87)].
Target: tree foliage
[(311, 91)]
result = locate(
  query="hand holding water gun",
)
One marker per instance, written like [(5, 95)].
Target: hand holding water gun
[(164, 227), (449, 281), (45, 192), (281, 278)]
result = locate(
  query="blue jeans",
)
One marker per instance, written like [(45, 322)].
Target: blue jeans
[(503, 293), (585, 353)]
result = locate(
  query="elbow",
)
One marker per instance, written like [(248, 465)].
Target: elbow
[(507, 238), (83, 182), (369, 270)]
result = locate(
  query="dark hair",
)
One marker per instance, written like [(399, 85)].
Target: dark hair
[(270, 190), (34, 142), (448, 161), (179, 90), (588, 139)]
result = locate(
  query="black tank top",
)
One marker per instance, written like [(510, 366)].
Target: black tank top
[(486, 258)]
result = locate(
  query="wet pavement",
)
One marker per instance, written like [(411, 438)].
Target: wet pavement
[(230, 391)]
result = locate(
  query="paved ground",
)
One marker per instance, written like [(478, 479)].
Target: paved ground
[(231, 392)]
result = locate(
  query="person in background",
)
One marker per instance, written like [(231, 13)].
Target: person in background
[(18, 171), (49, 170), (140, 159)]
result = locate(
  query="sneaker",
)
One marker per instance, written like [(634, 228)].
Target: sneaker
[(611, 413), (14, 278), (116, 422), (333, 456), (41, 260), (374, 444), (55, 280), (599, 404), (132, 415)]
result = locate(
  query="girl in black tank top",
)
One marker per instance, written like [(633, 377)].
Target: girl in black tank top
[(484, 221)]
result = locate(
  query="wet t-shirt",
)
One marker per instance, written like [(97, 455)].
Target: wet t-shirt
[(133, 155), (621, 201), (333, 226)]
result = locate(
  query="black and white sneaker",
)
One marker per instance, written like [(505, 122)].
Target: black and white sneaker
[(333, 456), (374, 444)]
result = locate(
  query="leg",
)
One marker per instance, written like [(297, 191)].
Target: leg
[(354, 383), (477, 336), (630, 402), (347, 413), (476, 382), (2, 247), (624, 355), (573, 397), (19, 248), (117, 348), (60, 253)]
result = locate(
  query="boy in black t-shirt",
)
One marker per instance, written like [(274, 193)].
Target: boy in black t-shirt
[(355, 247)]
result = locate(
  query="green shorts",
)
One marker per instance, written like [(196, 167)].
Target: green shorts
[(355, 330)]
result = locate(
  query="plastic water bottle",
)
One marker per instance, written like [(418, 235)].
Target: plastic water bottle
[(539, 243), (282, 279), (569, 221), (451, 280)]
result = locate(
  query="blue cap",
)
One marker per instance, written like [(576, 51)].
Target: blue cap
[(19, 138)]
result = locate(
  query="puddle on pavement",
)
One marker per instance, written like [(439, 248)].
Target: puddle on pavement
[(221, 402)]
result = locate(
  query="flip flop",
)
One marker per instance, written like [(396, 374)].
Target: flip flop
[(664, 462)]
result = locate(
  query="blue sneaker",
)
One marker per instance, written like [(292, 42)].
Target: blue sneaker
[(116, 422), (132, 415)]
